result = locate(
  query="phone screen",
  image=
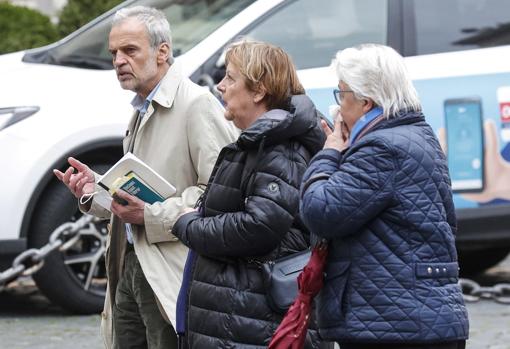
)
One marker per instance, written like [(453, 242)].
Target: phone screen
[(464, 138)]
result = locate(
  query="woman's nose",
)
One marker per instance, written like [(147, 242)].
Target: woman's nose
[(221, 86)]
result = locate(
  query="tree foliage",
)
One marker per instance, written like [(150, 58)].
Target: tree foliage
[(22, 28), (76, 13)]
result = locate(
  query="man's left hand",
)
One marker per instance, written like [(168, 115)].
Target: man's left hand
[(130, 213)]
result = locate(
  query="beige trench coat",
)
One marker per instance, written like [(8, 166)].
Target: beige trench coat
[(180, 138)]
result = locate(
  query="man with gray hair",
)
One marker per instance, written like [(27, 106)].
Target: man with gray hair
[(178, 129)]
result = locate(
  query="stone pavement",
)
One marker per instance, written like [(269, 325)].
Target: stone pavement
[(28, 320)]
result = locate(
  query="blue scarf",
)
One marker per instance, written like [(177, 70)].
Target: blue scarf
[(362, 122)]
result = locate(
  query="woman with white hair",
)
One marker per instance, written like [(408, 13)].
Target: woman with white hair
[(380, 192)]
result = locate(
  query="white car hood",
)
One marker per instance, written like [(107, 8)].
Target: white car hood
[(35, 84)]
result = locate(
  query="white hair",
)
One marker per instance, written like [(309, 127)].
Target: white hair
[(154, 21), (377, 72)]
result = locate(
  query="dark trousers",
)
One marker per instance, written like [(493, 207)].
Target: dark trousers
[(137, 320), (448, 345)]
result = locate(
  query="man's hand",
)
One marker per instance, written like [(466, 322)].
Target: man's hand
[(78, 183), (339, 137), (130, 213)]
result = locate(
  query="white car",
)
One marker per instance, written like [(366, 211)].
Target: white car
[(64, 99)]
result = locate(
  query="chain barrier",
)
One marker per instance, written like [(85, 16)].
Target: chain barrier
[(31, 260), (67, 234), (474, 292)]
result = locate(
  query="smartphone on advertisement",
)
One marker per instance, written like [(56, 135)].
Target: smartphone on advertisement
[(465, 143)]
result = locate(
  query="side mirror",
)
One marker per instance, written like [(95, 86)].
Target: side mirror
[(207, 81), (220, 63)]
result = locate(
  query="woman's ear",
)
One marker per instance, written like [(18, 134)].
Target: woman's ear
[(260, 94), (163, 53), (368, 105)]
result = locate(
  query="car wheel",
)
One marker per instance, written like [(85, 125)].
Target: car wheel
[(75, 279), (473, 262)]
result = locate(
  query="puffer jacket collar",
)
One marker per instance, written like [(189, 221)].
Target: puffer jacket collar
[(301, 122)]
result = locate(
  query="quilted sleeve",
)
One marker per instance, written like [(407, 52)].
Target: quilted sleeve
[(205, 142), (268, 215), (358, 187)]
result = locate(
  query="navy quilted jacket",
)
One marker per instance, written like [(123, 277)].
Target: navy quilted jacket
[(386, 205)]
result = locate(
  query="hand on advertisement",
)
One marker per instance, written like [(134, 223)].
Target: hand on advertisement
[(79, 183), (131, 210), (497, 169), (338, 137)]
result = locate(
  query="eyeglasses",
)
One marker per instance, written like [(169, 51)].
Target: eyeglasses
[(338, 95)]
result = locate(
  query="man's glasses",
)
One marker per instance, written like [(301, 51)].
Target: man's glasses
[(338, 95)]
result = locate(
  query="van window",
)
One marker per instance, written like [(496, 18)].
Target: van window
[(454, 25), (312, 31), (190, 22)]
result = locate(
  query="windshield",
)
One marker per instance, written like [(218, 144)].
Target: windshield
[(190, 21)]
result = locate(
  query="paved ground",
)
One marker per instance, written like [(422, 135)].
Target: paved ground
[(490, 321), (28, 320)]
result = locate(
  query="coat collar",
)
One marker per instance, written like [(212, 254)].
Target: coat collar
[(402, 118), (300, 122), (165, 95), (169, 84)]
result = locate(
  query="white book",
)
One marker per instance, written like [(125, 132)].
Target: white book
[(136, 178)]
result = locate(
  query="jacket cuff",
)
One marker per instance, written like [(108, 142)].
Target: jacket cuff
[(328, 154), (181, 226), (95, 209), (158, 230)]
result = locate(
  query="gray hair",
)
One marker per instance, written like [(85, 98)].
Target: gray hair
[(154, 21), (377, 72)]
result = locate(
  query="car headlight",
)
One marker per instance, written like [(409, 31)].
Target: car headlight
[(12, 115)]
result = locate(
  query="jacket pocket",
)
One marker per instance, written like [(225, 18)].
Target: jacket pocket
[(331, 301)]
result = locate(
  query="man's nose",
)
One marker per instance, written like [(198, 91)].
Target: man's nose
[(119, 59)]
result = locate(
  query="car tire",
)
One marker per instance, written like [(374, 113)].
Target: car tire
[(65, 277), (473, 262)]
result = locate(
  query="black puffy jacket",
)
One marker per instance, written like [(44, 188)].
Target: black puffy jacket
[(249, 212)]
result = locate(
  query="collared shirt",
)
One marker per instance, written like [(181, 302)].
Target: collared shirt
[(362, 122), (141, 105)]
